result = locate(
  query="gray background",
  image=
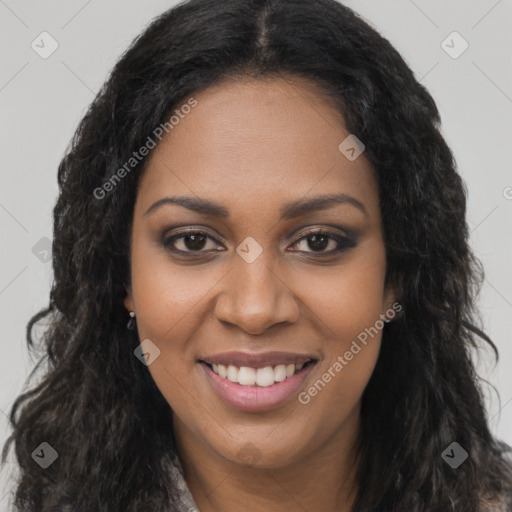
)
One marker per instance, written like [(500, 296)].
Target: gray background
[(42, 100)]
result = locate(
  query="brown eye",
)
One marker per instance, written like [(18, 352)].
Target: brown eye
[(191, 241), (319, 241)]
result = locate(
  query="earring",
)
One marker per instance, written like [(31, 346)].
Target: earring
[(131, 323)]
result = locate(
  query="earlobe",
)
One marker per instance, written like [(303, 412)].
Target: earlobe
[(128, 301), (392, 297)]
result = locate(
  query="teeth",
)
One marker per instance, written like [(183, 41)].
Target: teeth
[(262, 377), (280, 372), (233, 373), (247, 376), (265, 376)]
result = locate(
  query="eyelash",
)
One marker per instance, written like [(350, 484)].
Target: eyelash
[(342, 241)]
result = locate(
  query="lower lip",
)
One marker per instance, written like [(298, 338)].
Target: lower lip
[(257, 398)]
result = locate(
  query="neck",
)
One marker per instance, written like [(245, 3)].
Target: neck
[(321, 480)]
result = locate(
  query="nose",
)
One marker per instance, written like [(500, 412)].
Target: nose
[(254, 297)]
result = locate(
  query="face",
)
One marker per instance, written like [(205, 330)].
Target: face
[(258, 273)]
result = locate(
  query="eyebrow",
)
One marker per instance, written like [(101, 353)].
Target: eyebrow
[(288, 211)]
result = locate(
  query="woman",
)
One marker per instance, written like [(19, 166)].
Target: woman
[(264, 297)]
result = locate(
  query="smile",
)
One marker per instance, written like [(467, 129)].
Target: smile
[(255, 384), (262, 377)]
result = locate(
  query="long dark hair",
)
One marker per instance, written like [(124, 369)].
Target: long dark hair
[(99, 407)]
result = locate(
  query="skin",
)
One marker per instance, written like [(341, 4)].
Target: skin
[(253, 146)]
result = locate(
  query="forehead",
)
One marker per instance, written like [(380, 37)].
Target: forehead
[(257, 142)]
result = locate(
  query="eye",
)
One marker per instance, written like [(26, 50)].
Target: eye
[(189, 242), (320, 240), (196, 241)]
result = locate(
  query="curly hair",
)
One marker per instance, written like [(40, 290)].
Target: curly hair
[(100, 408)]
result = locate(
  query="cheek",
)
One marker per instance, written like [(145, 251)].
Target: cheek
[(168, 304), (168, 295), (348, 305), (349, 298)]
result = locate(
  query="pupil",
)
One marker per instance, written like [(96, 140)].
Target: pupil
[(197, 241), (316, 245)]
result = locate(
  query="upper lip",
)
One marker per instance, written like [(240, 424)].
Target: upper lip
[(257, 360)]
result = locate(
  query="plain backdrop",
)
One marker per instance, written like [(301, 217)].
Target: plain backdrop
[(43, 99)]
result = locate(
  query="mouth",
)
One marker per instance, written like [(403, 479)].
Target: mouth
[(257, 382), (253, 376)]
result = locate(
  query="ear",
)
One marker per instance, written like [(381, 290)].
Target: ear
[(128, 300), (392, 293)]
